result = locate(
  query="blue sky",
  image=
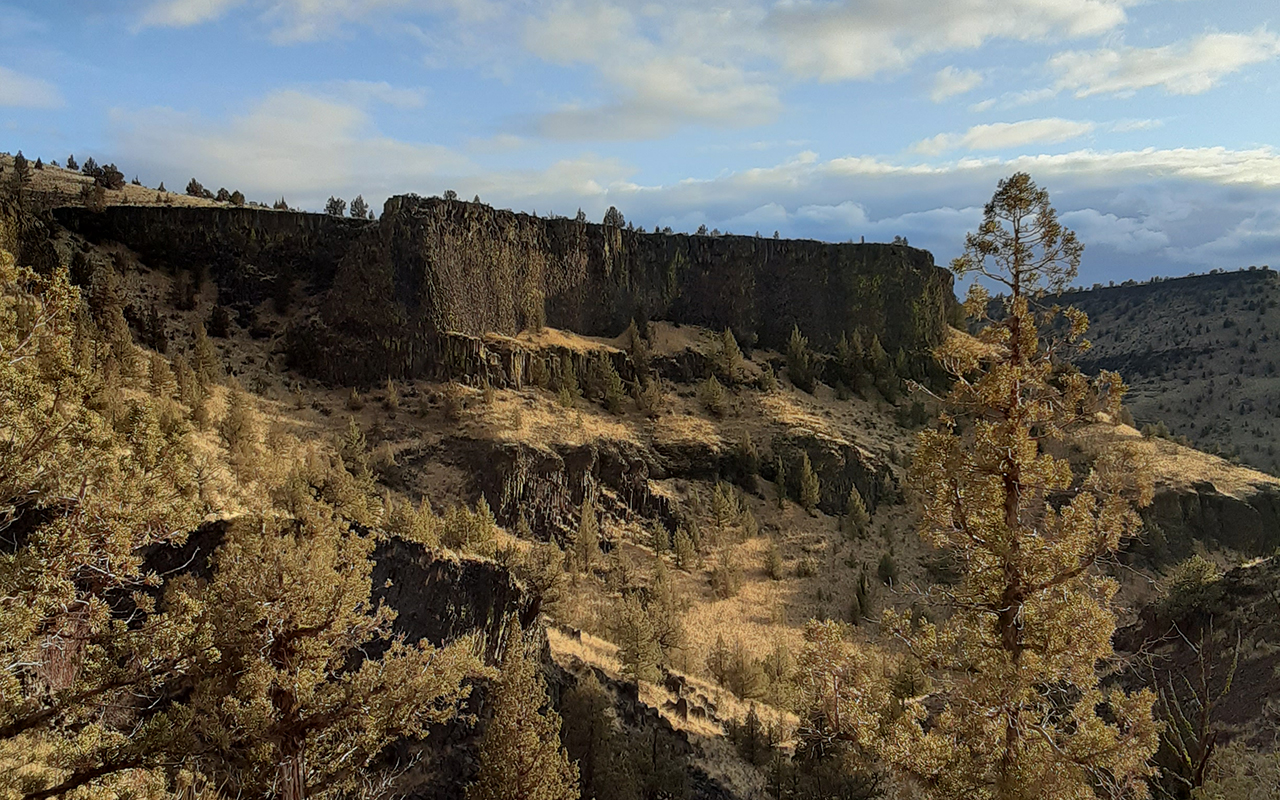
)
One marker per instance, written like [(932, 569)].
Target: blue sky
[(1153, 124)]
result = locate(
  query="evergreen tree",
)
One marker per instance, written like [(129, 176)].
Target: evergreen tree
[(585, 548), (204, 357), (666, 611), (82, 696), (520, 752), (802, 364), (284, 703), (855, 514), (592, 740), (613, 217), (359, 208), (194, 188), (810, 488), (71, 163), (1023, 712), (729, 357), (335, 206), (237, 198), (222, 195), (632, 630)]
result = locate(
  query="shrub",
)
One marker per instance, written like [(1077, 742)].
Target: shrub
[(355, 401), (887, 571), (467, 530), (335, 206), (712, 396), (773, 561), (194, 188), (649, 398), (807, 567), (1193, 585), (726, 576), (767, 382), (391, 401)]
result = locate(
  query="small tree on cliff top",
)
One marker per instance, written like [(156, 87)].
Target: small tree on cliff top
[(1023, 712)]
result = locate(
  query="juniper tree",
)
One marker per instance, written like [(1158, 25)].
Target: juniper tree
[(359, 208), (286, 703), (335, 206), (1022, 712), (802, 363), (520, 751), (81, 502), (855, 513), (638, 648), (592, 740), (810, 487)]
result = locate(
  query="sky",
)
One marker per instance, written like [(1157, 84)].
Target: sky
[(1155, 126)]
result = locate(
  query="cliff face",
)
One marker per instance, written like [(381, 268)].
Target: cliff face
[(391, 290), (252, 254), (432, 266)]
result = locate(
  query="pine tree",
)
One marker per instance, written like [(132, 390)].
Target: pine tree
[(520, 752), (335, 206), (593, 742), (614, 393), (632, 630), (780, 478), (585, 548), (1023, 712), (855, 514), (666, 611), (204, 358), (729, 356), (810, 487), (359, 208), (802, 365)]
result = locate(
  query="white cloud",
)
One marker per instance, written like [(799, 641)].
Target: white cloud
[(381, 92), (857, 39), (656, 75), (1005, 135), (304, 20), (1124, 234), (1130, 125), (22, 91), (184, 13), (949, 82), (1190, 67)]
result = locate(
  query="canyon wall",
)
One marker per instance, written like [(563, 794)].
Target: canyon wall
[(389, 292)]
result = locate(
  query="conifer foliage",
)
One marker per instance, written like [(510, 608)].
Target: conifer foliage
[(1024, 714), (520, 753)]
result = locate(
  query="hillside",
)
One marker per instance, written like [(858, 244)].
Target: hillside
[(1201, 355), (413, 355)]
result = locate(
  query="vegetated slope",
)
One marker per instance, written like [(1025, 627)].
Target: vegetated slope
[(1201, 354), (689, 463)]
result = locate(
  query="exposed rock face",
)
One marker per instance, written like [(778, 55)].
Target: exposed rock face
[(1248, 524), (839, 465), (432, 266), (252, 254), (428, 267)]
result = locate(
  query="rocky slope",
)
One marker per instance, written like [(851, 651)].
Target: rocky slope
[(1201, 354)]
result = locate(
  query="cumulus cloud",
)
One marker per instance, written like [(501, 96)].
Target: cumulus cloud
[(1005, 135), (184, 13), (862, 38), (949, 82), (23, 91), (1191, 67), (655, 77), (291, 21), (1170, 206)]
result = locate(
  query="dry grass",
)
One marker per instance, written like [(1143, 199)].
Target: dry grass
[(1175, 465), (65, 182)]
